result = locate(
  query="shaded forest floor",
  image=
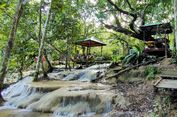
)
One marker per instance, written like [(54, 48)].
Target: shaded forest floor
[(138, 90)]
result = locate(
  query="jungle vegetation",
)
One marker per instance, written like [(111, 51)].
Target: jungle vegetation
[(49, 28)]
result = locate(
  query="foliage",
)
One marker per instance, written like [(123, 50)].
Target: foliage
[(6, 10), (24, 53), (162, 106), (150, 72), (73, 20), (126, 16), (132, 56), (116, 58), (174, 57)]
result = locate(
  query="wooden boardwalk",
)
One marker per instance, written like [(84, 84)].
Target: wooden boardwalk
[(166, 82)]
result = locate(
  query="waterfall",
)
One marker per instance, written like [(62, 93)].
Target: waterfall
[(65, 98), (20, 95), (87, 74)]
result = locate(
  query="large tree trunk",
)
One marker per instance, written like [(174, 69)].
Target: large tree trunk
[(175, 18), (39, 37), (10, 43), (42, 44), (50, 67)]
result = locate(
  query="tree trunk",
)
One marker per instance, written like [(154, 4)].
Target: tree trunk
[(175, 18), (40, 23), (50, 67), (40, 51), (20, 70), (68, 52), (10, 43), (39, 39), (44, 71), (66, 55)]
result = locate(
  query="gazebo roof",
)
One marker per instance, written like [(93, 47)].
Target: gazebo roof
[(90, 42), (163, 28)]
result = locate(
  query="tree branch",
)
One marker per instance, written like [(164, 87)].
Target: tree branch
[(128, 2), (120, 39), (132, 24), (121, 30), (143, 14), (120, 10), (117, 20), (108, 10)]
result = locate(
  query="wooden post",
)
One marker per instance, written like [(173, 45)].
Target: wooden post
[(89, 47), (89, 50), (166, 45), (165, 48), (83, 50), (75, 49), (101, 50)]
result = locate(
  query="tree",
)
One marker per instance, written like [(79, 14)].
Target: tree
[(42, 41), (64, 28), (129, 15), (10, 43), (175, 20)]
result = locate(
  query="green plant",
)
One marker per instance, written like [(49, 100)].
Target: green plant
[(133, 55), (116, 58), (155, 115), (150, 72), (174, 57), (162, 106)]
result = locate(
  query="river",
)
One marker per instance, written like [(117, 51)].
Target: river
[(66, 94)]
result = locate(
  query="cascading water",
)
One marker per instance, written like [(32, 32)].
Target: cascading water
[(87, 74), (17, 88), (20, 95), (67, 98)]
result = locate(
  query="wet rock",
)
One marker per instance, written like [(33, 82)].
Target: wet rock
[(89, 74), (63, 97)]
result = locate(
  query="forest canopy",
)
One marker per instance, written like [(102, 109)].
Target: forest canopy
[(60, 23)]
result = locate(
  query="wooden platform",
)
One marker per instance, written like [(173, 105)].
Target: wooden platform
[(167, 82)]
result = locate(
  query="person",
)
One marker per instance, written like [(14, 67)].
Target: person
[(35, 59), (43, 59)]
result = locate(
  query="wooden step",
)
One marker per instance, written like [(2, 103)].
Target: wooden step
[(167, 84), (168, 76)]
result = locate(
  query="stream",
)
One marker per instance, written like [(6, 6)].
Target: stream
[(66, 94)]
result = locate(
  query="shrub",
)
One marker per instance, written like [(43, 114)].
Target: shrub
[(150, 72), (174, 57)]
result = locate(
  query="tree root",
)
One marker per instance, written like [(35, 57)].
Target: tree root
[(130, 68)]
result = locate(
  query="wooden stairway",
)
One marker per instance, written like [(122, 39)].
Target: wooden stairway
[(166, 82)]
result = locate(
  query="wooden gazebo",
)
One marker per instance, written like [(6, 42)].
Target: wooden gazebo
[(90, 42), (158, 46), (87, 44)]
